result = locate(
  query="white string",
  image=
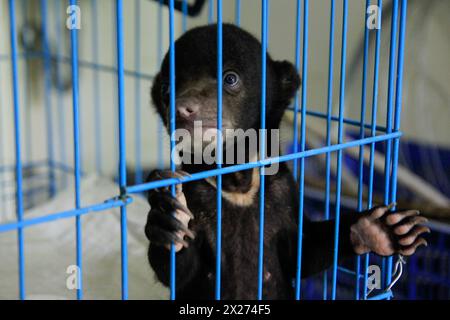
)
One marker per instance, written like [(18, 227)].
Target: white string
[(397, 272)]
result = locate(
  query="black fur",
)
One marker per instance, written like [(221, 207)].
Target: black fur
[(196, 56)]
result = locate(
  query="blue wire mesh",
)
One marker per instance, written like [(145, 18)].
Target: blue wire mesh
[(344, 281)]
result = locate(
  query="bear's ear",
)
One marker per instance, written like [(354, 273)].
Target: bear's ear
[(157, 98), (288, 79)]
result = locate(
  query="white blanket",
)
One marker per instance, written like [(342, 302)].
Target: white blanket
[(50, 250)]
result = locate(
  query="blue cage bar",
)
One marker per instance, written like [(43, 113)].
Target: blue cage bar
[(369, 133)]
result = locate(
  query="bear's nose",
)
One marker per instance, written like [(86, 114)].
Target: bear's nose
[(186, 110)]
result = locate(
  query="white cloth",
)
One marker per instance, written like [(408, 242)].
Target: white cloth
[(50, 249)]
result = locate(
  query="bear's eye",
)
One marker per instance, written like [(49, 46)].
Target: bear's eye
[(231, 79)]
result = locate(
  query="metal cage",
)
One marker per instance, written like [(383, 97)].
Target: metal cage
[(55, 168)]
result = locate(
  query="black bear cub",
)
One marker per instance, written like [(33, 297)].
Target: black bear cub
[(188, 219)]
